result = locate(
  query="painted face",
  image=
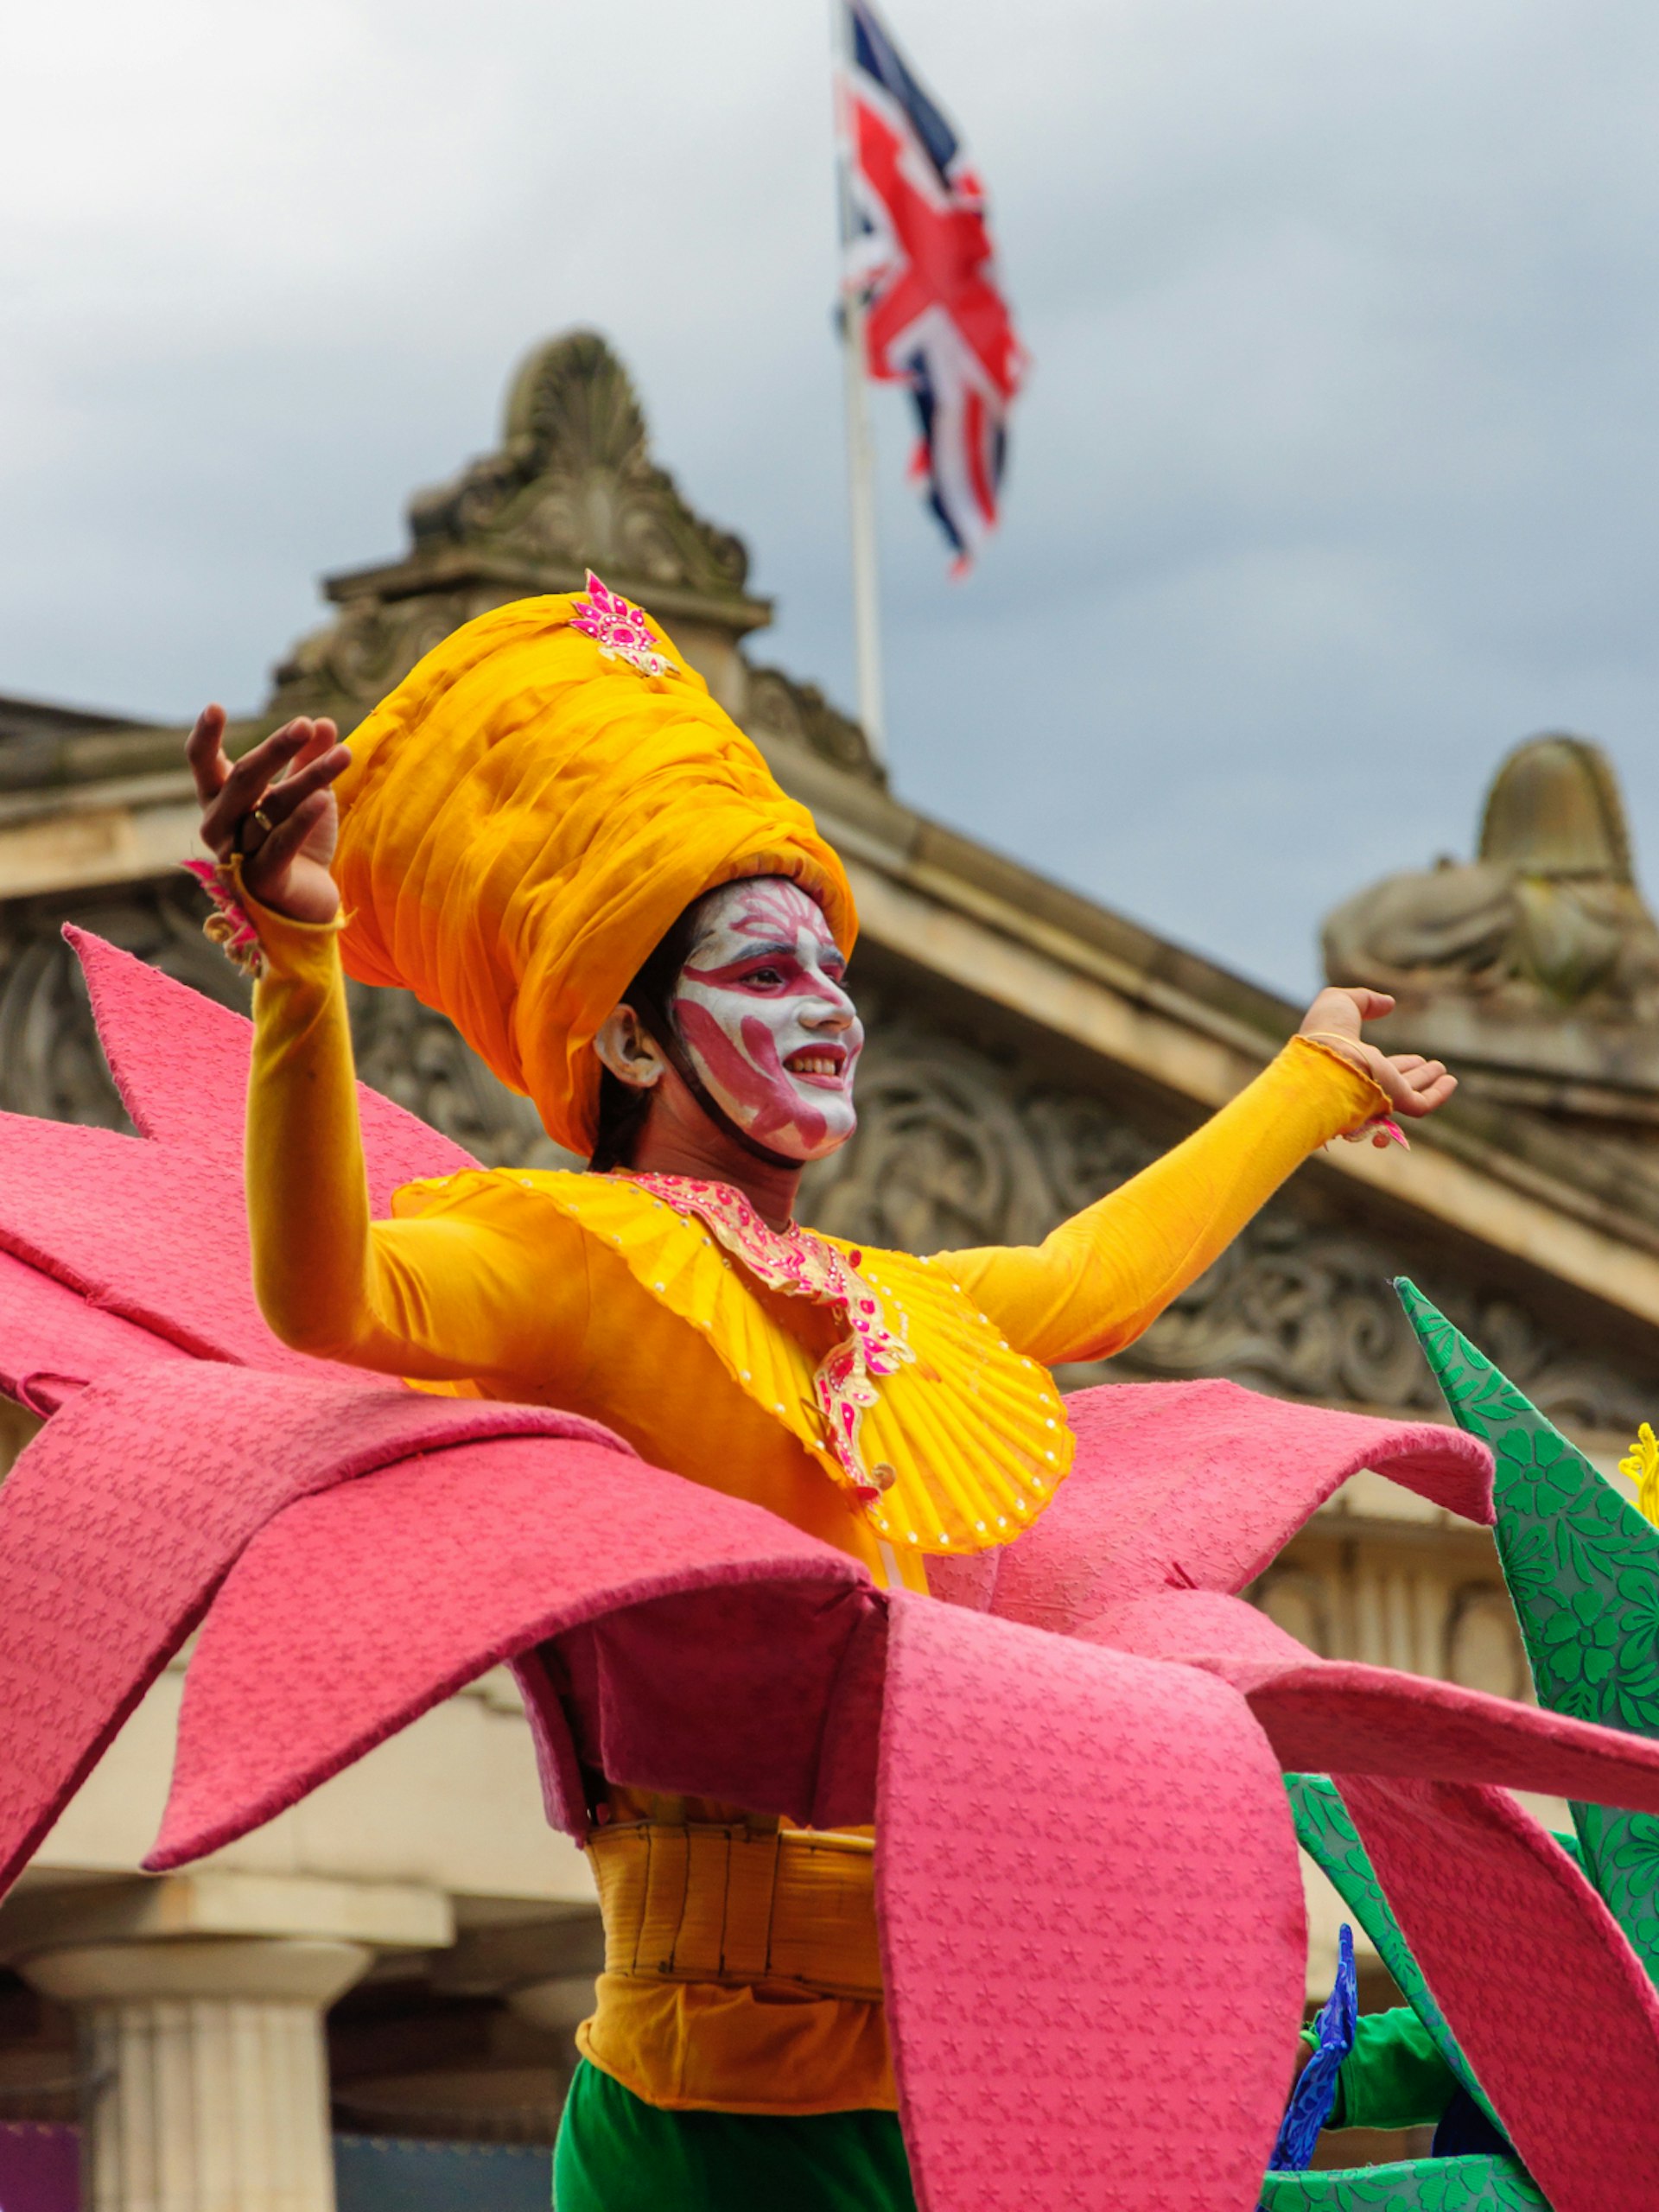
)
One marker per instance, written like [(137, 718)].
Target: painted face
[(766, 1020)]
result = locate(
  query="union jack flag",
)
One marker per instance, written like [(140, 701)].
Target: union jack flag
[(918, 255)]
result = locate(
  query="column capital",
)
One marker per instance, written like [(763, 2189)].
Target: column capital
[(261, 1969), (223, 1902), (203, 2077)]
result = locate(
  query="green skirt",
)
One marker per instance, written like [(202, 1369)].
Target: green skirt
[(616, 2153)]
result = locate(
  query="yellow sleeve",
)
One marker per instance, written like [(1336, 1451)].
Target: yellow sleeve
[(1105, 1275), (443, 1299)]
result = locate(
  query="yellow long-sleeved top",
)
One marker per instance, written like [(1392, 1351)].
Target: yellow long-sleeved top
[(585, 1292)]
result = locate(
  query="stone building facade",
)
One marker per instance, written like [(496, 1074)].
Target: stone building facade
[(411, 1944)]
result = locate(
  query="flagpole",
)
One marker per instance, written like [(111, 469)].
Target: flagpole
[(861, 450)]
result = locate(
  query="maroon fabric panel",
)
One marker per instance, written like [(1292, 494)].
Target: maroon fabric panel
[(1548, 2001), (1092, 1923), (40, 2167)]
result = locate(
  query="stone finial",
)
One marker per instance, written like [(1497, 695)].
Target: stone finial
[(572, 487), (1539, 953)]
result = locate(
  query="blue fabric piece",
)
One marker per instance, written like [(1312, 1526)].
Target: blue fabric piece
[(378, 2174), (1314, 2095)]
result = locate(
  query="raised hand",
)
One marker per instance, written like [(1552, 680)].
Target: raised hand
[(1413, 1086), (274, 808)]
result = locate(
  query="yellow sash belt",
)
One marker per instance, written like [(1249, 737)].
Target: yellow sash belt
[(737, 1905)]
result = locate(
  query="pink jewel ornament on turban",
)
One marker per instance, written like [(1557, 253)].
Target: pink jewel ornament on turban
[(619, 630)]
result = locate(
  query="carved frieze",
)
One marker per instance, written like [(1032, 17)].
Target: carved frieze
[(415, 1057), (954, 1148)]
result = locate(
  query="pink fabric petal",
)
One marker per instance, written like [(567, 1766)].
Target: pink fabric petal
[(1092, 1923), (140, 1231), (180, 1063), (1548, 2001), (1323, 1714), (53, 1342), (119, 1519), (715, 1633), (1199, 1485), (1333, 1713), (153, 1229)]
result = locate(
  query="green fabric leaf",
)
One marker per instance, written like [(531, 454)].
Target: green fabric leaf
[(1582, 1566), (1467, 2185)]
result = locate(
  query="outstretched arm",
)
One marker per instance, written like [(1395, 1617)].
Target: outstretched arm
[(430, 1299), (1104, 1276)]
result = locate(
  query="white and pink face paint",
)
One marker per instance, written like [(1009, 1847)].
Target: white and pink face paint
[(763, 1013)]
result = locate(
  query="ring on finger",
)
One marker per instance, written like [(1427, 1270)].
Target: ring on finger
[(255, 814)]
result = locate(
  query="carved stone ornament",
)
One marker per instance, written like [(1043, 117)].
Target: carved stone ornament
[(50, 1061), (1545, 922), (573, 487), (347, 668), (780, 706), (574, 483), (953, 1149)]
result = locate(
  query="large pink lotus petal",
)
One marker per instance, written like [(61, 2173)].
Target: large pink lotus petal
[(1335, 1713), (180, 1063), (1322, 1714), (1549, 2003), (53, 1342), (701, 1638), (1198, 1485), (119, 1519), (1202, 1628), (1092, 1924), (141, 1231), (153, 1229)]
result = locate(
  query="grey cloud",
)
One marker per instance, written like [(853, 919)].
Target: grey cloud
[(1336, 472)]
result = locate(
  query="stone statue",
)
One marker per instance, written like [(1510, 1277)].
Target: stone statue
[(1545, 922)]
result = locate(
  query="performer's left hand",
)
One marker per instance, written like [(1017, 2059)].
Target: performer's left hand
[(1413, 1086)]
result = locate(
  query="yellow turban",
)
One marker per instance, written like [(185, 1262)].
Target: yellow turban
[(523, 819)]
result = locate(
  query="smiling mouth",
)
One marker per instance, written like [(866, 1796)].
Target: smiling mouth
[(820, 1063)]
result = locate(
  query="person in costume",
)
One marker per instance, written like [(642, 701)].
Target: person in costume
[(552, 834)]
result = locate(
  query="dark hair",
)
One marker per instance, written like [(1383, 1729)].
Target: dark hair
[(623, 1106)]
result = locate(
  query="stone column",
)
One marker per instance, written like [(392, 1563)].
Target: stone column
[(205, 2071)]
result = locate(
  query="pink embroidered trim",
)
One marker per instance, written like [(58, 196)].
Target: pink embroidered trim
[(801, 1265), (619, 628), (230, 925)]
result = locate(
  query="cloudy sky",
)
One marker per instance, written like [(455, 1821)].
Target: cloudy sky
[(1338, 471)]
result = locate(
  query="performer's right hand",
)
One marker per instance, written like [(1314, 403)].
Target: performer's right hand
[(274, 808)]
